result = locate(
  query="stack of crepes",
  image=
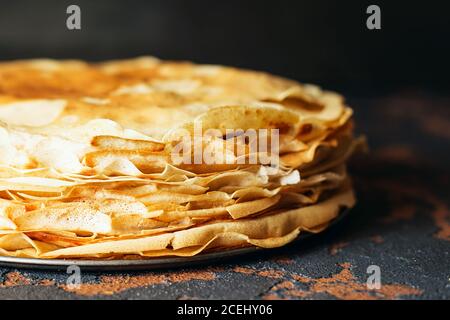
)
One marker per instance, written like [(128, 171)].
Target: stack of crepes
[(87, 167)]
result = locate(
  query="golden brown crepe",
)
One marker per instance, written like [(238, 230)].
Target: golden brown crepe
[(87, 166)]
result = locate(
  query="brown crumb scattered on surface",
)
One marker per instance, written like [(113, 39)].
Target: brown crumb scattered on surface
[(15, 278), (190, 275), (109, 285), (284, 260), (343, 285), (440, 212), (377, 239), (337, 247), (184, 297), (267, 273), (402, 213), (270, 273), (284, 285), (273, 296), (441, 216), (244, 270), (47, 282)]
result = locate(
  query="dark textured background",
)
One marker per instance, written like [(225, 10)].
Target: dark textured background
[(321, 41), (396, 79)]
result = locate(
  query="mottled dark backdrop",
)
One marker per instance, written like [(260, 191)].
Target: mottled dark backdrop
[(396, 79), (325, 42)]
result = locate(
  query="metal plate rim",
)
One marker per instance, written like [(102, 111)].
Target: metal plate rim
[(121, 264)]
